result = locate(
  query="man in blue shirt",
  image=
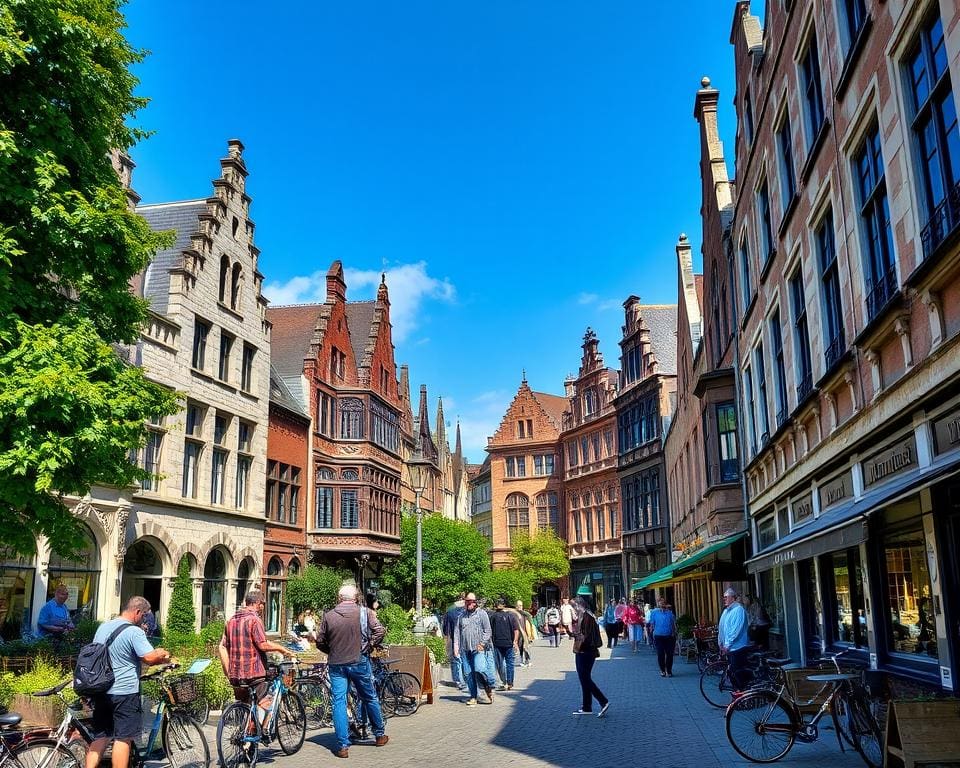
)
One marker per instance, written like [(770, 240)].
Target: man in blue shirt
[(54, 619), (663, 626), (732, 637), (117, 714)]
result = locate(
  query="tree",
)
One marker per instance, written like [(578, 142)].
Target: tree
[(314, 587), (508, 583), (181, 616), (71, 412), (455, 556), (543, 556)]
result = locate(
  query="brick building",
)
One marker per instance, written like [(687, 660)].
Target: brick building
[(590, 484), (845, 239)]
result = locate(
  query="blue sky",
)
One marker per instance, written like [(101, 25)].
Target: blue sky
[(518, 168)]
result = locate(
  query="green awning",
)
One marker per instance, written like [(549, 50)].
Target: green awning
[(668, 573)]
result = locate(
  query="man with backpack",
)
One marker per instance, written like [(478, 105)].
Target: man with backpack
[(117, 713), (553, 624)]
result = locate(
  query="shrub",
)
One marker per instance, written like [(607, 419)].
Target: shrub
[(211, 634), (181, 616), (384, 597), (6, 689), (315, 587), (397, 621), (45, 673), (685, 624), (508, 583), (27, 648), (84, 632), (437, 646)]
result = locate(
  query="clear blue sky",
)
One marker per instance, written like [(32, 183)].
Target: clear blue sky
[(518, 168)]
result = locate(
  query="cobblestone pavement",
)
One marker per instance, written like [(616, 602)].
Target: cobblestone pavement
[(651, 721)]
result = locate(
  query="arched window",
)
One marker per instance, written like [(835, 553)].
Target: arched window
[(16, 592), (213, 604), (323, 473), (548, 511), (235, 279), (351, 418), (350, 474), (244, 573), (224, 276), (80, 574), (275, 584), (518, 516)]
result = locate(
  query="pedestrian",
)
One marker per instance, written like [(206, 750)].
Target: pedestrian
[(470, 643), (567, 617), (54, 620), (610, 624), (347, 634), (553, 624), (449, 627), (505, 636), (118, 713), (586, 649), (732, 638), (528, 634), (663, 628), (618, 612), (758, 627), (149, 624), (540, 620), (633, 618)]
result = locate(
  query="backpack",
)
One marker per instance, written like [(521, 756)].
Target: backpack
[(553, 616), (94, 671)]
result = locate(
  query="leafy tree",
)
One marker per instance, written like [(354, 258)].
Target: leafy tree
[(181, 616), (509, 583), (71, 412), (543, 556), (315, 587), (455, 556)]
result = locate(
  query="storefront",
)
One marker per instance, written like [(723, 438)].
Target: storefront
[(16, 593), (602, 575)]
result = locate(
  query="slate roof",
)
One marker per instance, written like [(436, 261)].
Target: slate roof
[(293, 328), (282, 396), (360, 316), (661, 319), (554, 405), (182, 217)]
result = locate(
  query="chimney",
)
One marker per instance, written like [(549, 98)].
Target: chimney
[(336, 287)]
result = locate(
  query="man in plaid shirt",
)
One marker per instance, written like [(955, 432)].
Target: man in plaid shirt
[(244, 646)]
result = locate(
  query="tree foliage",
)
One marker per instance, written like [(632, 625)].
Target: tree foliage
[(543, 556), (455, 556), (508, 583), (181, 615), (314, 587), (70, 411)]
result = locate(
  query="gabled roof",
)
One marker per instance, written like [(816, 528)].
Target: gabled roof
[(360, 316), (182, 218), (281, 395), (661, 319), (553, 405), (292, 333)]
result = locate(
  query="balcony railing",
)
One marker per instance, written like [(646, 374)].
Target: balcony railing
[(781, 417), (880, 293), (805, 387), (834, 352), (943, 221)]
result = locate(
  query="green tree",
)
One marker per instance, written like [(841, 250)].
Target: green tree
[(508, 583), (315, 588), (71, 412), (543, 556), (181, 615), (455, 556)]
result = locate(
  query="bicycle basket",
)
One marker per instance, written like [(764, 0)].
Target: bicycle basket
[(184, 690)]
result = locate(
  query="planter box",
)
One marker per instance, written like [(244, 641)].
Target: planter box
[(37, 713), (923, 734)]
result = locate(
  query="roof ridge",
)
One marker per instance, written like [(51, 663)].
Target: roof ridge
[(303, 304), (173, 203)]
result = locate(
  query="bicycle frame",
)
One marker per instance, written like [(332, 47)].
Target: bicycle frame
[(276, 690), (805, 730)]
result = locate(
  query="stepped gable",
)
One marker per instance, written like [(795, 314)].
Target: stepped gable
[(363, 331), (553, 406), (661, 319), (549, 407)]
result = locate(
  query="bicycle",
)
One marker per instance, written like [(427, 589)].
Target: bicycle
[(717, 686), (762, 725), (399, 692), (180, 738), (240, 731), (315, 690), (16, 753)]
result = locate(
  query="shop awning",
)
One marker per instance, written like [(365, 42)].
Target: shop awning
[(675, 571)]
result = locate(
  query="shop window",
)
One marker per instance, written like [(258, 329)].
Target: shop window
[(214, 588), (274, 607), (771, 597), (16, 593), (908, 594), (811, 609), (843, 574), (80, 574)]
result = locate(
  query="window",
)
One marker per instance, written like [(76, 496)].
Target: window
[(585, 450), (727, 440), (854, 14), (518, 516), (543, 464), (779, 368), (201, 330), (220, 426), (524, 428), (351, 418), (384, 426), (324, 507), (338, 361), (325, 413), (936, 134), (588, 519), (812, 91), (283, 492), (909, 607), (608, 442), (223, 368), (218, 471), (595, 442), (150, 455), (747, 116), (834, 343), (575, 514), (748, 407), (236, 278), (875, 224), (767, 246), (349, 509), (572, 453), (848, 623), (191, 468), (601, 525), (516, 466), (763, 423), (548, 512), (224, 276), (788, 174), (246, 372), (766, 532), (801, 337), (243, 481), (244, 436), (589, 402), (746, 290), (649, 499)]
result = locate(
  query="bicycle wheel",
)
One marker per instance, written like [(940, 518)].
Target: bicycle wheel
[(760, 726), (400, 694), (318, 702), (715, 684), (290, 722), (840, 710), (183, 742), (233, 749), (198, 711), (865, 731), (44, 754)]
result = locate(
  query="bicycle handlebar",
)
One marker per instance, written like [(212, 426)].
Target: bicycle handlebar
[(160, 669), (54, 690)]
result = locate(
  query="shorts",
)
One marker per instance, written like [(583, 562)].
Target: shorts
[(636, 632), (117, 716), (241, 688)]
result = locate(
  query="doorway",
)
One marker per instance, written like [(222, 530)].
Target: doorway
[(143, 575)]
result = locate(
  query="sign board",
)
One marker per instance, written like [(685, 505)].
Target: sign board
[(836, 490), (946, 432), (802, 507), (897, 458), (73, 597), (414, 659)]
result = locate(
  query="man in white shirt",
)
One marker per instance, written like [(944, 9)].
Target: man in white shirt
[(567, 616)]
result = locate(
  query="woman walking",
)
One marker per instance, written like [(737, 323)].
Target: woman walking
[(610, 624), (633, 618), (586, 649), (663, 626)]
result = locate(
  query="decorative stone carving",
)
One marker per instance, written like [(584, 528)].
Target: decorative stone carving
[(123, 514), (934, 316), (876, 375), (84, 509), (902, 326)]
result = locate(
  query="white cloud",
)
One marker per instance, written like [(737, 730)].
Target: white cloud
[(609, 304), (587, 298), (594, 300), (410, 287)]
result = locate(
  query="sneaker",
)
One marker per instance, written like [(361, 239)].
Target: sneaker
[(502, 687), (583, 712), (508, 687), (669, 674), (471, 702), (603, 709), (489, 695)]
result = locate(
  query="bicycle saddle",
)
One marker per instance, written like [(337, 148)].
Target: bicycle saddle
[(10, 719), (55, 689)]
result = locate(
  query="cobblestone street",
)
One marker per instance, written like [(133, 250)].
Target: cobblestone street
[(533, 725)]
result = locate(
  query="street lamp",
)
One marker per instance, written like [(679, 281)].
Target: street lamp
[(419, 475)]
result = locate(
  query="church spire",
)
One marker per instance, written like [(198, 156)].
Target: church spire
[(424, 439), (442, 445)]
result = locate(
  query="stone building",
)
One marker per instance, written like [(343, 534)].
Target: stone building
[(336, 359), (287, 501), (845, 239), (708, 525), (481, 507), (644, 406), (590, 484), (526, 486)]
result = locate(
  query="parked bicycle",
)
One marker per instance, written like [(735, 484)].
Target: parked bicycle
[(16, 752), (717, 686), (240, 732), (399, 692)]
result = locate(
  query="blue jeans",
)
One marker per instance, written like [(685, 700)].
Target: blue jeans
[(361, 675), (505, 662), (474, 665), (456, 675)]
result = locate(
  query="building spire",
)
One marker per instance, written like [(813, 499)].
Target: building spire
[(424, 439)]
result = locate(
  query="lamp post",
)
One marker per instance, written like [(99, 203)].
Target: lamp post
[(419, 475)]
